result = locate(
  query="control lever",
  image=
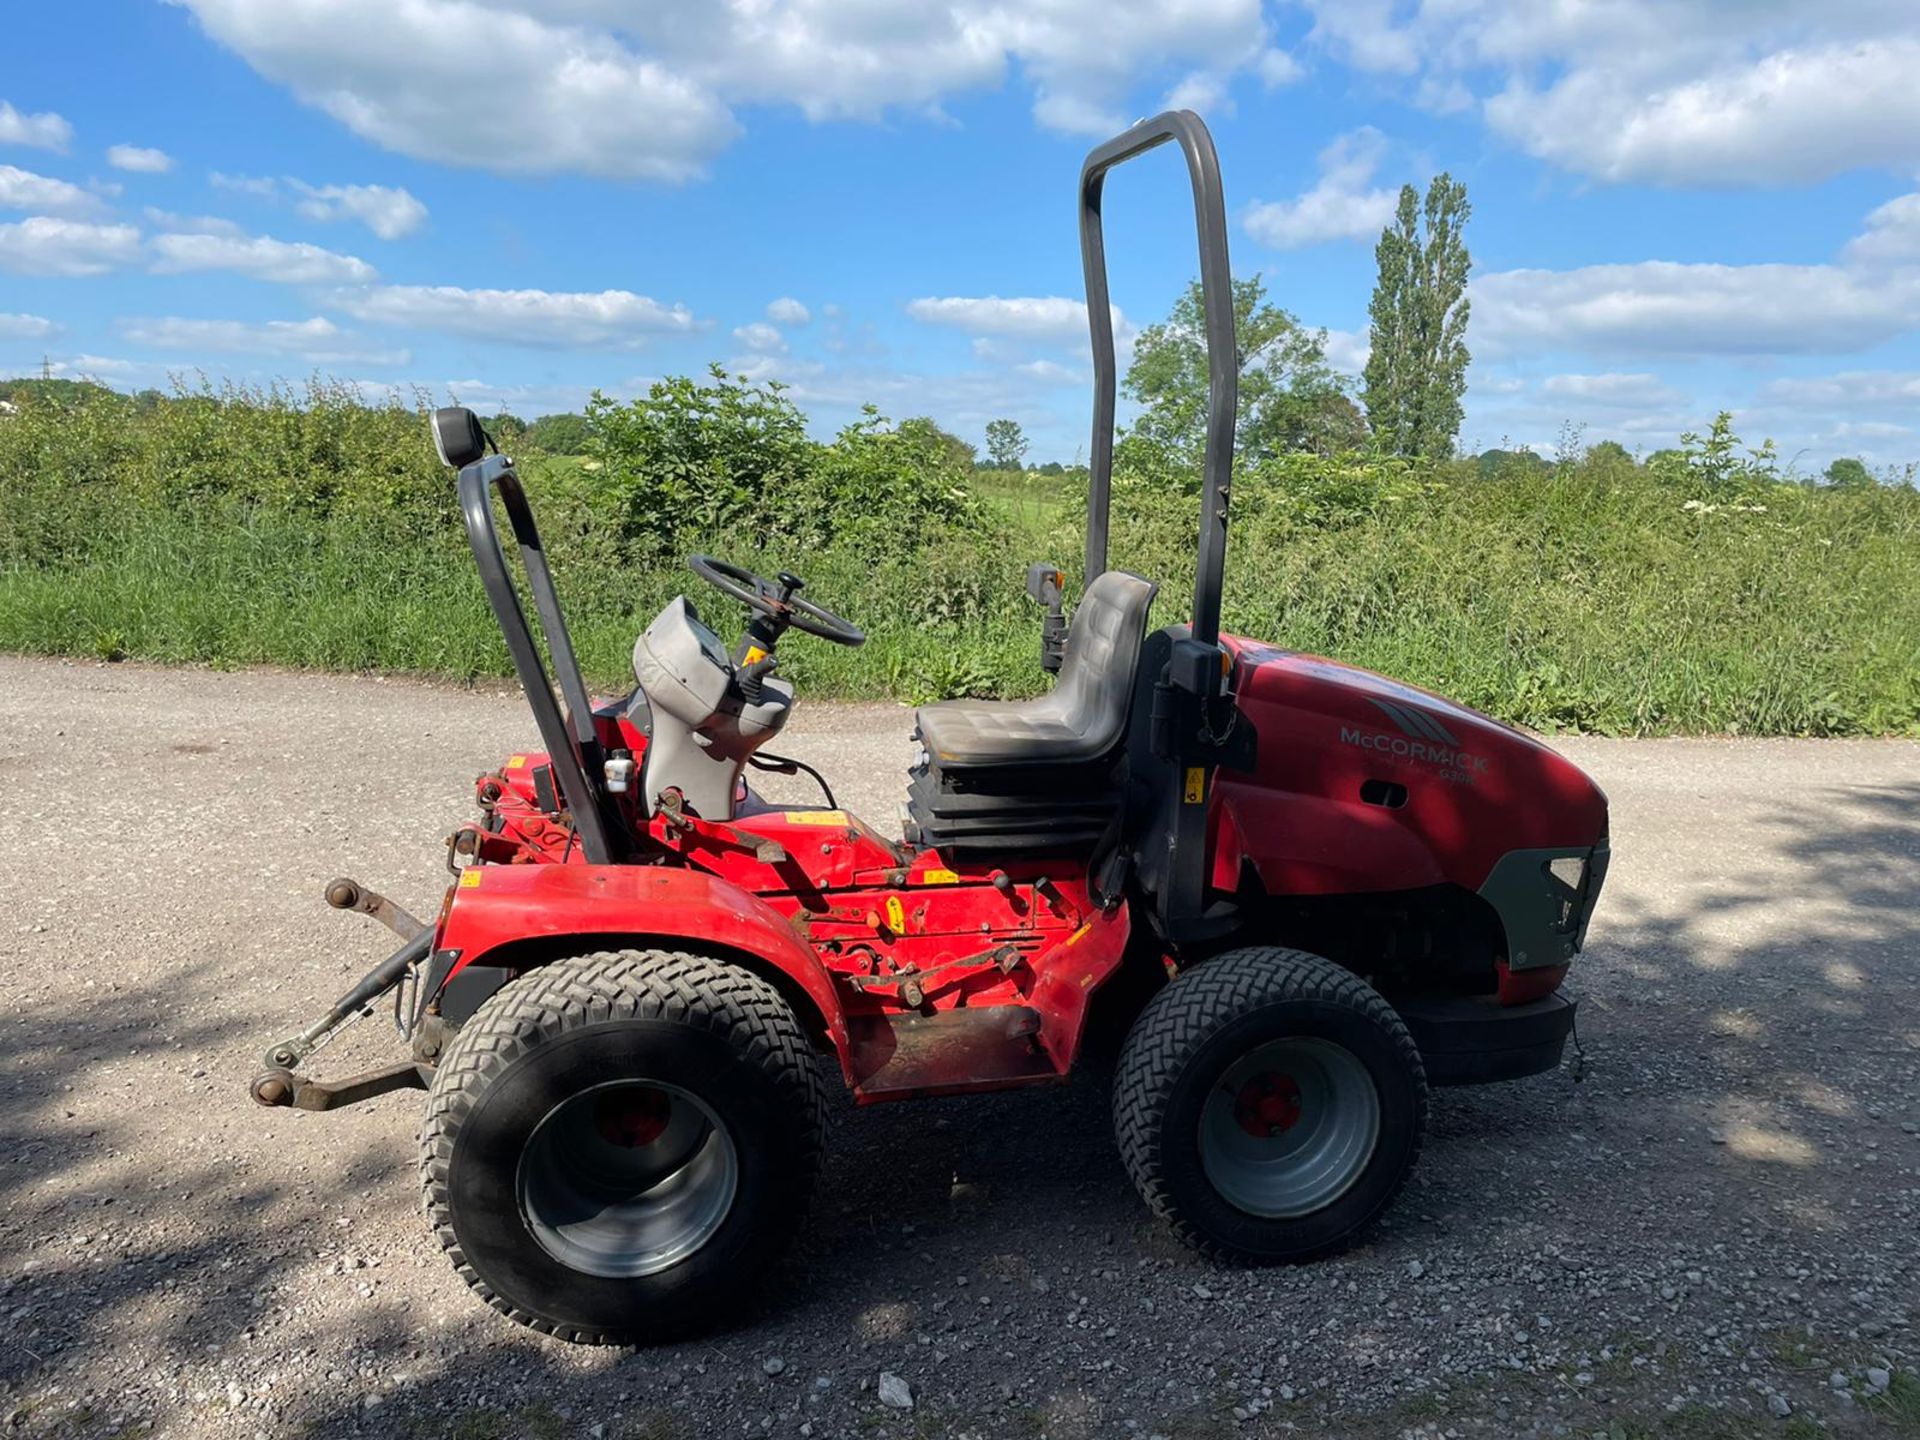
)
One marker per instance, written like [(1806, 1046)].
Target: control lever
[(1044, 584), (748, 677)]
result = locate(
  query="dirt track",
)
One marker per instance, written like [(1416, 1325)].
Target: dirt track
[(1715, 1234)]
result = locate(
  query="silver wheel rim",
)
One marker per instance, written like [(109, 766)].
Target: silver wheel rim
[(1289, 1128), (627, 1178)]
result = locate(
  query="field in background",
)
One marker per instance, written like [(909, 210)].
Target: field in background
[(1598, 593)]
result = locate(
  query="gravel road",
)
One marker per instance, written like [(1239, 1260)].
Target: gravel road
[(1715, 1233)]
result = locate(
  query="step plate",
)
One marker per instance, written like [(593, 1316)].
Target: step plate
[(952, 1052)]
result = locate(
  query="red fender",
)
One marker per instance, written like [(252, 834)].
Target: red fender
[(496, 908)]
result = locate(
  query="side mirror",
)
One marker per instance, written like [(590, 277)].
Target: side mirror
[(457, 436), (1044, 582)]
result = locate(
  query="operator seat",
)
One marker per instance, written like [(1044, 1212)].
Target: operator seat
[(1028, 776)]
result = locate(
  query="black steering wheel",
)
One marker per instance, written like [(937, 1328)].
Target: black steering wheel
[(777, 599)]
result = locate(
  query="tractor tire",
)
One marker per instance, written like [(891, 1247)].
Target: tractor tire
[(1269, 1105), (619, 1147)]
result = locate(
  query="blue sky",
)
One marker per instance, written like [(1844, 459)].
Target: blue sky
[(1680, 206)]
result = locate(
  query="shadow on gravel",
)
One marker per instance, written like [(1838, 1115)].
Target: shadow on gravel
[(1732, 1036), (1777, 1007), (86, 1276)]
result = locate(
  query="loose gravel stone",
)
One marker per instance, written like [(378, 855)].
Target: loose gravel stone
[(894, 1392), (1582, 1257)]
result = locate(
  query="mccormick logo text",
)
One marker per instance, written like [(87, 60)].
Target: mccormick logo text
[(1423, 741)]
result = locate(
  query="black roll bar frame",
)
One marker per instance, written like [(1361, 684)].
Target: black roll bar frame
[(1216, 290), (573, 746)]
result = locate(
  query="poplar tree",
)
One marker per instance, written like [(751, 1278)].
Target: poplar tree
[(1417, 369)]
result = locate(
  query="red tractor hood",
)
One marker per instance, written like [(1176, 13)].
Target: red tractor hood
[(1364, 784)]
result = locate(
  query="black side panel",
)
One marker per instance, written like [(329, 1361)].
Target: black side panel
[(1178, 737), (469, 990)]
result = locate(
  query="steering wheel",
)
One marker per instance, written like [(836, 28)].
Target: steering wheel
[(778, 599)]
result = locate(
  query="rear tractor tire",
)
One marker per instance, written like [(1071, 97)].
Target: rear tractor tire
[(1269, 1105), (619, 1146)]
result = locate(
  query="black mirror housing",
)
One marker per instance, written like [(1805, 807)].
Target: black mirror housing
[(457, 436), (1044, 582)]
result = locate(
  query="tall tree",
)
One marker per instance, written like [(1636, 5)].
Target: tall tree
[(1417, 370), (1849, 473), (1006, 444), (1289, 397)]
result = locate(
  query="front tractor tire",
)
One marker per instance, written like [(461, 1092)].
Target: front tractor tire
[(619, 1146), (1269, 1105)]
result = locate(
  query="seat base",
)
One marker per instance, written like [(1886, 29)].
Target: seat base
[(1016, 811)]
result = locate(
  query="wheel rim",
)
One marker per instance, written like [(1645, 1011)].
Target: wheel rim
[(627, 1178), (1289, 1127)]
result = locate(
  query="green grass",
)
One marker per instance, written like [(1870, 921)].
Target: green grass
[(1899, 1408), (1595, 595)]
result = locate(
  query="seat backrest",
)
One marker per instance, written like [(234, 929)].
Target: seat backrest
[(1095, 689)]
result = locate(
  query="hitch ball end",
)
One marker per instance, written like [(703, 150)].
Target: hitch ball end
[(343, 894), (273, 1088)]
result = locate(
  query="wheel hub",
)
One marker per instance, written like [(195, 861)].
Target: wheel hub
[(1289, 1127), (627, 1178), (1268, 1104), (632, 1117)]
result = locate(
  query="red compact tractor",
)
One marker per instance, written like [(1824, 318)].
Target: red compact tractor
[(1302, 892)]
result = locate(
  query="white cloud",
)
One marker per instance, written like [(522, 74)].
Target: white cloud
[(1613, 390), (1342, 206), (317, 340), (106, 367), (1203, 90), (608, 319), (259, 256), (965, 401), (192, 224), (43, 245), (1046, 319), (1362, 33), (788, 311), (262, 186), (1705, 92), (1795, 115), (1347, 350), (761, 337), (24, 190), (648, 91), (1051, 372), (140, 159), (386, 210), (403, 76), (1278, 67), (1848, 390), (1480, 383), (26, 327), (1662, 307), (1892, 234), (45, 131)]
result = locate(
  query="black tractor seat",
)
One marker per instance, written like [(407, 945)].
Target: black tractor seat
[(1031, 776), (1085, 714)]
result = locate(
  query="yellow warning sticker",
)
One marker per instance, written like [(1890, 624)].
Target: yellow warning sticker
[(939, 877), (1196, 789), (815, 817), (516, 762), (470, 878), (754, 655), (896, 915)]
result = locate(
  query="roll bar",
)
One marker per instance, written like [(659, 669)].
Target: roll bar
[(1216, 291), (572, 744)]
